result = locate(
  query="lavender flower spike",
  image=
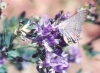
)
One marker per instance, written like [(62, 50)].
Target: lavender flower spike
[(59, 63)]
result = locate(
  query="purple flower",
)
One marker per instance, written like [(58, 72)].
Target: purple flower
[(2, 60), (74, 53), (57, 62), (40, 63), (92, 4), (58, 15), (47, 32), (65, 16), (61, 17), (52, 40), (47, 47)]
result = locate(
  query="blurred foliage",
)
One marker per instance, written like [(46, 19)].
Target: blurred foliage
[(79, 71), (10, 25), (3, 69), (6, 39), (98, 1), (15, 53), (89, 50)]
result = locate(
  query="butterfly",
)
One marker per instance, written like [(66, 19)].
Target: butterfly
[(72, 27)]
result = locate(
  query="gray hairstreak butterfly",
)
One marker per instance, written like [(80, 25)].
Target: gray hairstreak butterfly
[(72, 27)]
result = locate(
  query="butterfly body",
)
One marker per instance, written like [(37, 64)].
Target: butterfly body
[(72, 27)]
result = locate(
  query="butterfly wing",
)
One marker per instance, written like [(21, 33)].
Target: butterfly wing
[(72, 27)]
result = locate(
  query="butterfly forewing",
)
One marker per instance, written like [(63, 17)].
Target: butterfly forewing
[(72, 27)]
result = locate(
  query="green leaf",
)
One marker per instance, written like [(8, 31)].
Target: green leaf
[(89, 51), (12, 21), (13, 53), (79, 71), (10, 25), (4, 66), (96, 52), (22, 16), (6, 39), (5, 25), (3, 69)]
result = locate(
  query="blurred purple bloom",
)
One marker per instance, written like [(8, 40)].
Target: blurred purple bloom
[(92, 4), (2, 60), (74, 53)]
